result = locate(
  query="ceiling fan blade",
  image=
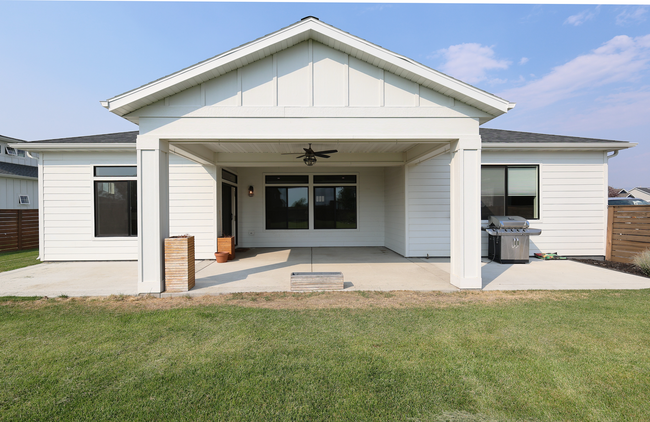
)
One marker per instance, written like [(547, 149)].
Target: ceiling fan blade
[(300, 156), (329, 151), (321, 155)]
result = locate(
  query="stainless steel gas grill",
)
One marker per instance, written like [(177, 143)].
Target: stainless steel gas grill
[(508, 239)]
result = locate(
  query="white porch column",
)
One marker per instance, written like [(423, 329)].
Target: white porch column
[(153, 212), (466, 213)]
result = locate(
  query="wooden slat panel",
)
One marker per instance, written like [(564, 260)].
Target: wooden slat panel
[(628, 232), (18, 229)]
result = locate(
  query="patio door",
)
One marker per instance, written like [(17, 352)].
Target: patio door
[(229, 210)]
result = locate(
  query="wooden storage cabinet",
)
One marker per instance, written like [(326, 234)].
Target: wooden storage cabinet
[(179, 264), (226, 244)]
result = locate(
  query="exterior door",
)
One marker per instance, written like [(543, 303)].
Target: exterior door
[(229, 210)]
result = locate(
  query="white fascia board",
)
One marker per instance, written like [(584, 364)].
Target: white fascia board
[(575, 146), (74, 147), (453, 87)]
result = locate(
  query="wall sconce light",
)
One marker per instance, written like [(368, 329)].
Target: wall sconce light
[(251, 191)]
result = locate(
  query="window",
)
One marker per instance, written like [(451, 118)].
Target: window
[(509, 190), (116, 201), (228, 176), (287, 207), (335, 207), (116, 171), (11, 151), (23, 199)]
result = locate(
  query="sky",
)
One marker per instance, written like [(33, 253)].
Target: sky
[(576, 70)]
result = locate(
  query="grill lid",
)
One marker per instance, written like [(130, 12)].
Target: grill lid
[(507, 222)]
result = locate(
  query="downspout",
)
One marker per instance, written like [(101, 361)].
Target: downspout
[(613, 155)]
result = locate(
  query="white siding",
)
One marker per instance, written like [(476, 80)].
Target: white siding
[(395, 207), (301, 76), (573, 206), (11, 188), (370, 211), (573, 200), (68, 211), (192, 204), (68, 220), (428, 207)]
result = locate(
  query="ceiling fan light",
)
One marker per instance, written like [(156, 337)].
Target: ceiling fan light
[(310, 160)]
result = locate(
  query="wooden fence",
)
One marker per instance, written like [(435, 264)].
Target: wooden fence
[(18, 230), (628, 231)]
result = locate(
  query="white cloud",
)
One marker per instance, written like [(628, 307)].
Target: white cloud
[(581, 17), (470, 62), (620, 59), (624, 109), (628, 16), (523, 60)]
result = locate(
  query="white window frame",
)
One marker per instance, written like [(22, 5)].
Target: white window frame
[(94, 179), (20, 200)]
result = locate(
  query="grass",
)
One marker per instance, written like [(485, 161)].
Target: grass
[(18, 259), (560, 356)]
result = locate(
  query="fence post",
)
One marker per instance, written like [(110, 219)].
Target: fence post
[(20, 229), (610, 230)]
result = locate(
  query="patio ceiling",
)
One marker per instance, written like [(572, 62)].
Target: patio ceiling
[(357, 152), (296, 147)]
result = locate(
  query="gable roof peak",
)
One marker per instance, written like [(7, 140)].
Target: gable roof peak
[(307, 28)]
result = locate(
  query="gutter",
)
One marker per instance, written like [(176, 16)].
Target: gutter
[(69, 146), (576, 146)]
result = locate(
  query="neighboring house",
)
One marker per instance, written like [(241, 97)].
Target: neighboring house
[(18, 176), (620, 193), (640, 193), (216, 154)]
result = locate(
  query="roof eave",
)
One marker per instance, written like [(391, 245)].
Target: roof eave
[(576, 146), (71, 146)]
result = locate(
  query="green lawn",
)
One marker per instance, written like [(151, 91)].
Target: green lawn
[(18, 259), (560, 356)]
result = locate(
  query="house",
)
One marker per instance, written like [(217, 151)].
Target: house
[(640, 193), (224, 148), (18, 176)]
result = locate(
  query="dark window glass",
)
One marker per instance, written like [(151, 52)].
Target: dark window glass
[(226, 175), (116, 171), (331, 180), (116, 208), (509, 190), (335, 207), (287, 207), (282, 180)]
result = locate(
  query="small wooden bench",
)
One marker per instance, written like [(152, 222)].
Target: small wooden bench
[(316, 281)]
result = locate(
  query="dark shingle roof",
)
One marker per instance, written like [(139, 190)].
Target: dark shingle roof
[(9, 139), (107, 138), (511, 136), (487, 136), (11, 169)]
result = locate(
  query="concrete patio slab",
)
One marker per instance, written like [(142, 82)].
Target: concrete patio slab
[(269, 270), (94, 278)]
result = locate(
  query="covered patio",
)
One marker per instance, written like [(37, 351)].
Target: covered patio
[(269, 270)]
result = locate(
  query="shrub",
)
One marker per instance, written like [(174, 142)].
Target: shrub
[(643, 261)]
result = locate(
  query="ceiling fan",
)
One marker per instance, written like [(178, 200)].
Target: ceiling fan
[(309, 157)]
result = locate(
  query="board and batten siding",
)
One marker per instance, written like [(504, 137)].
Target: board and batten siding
[(67, 223), (308, 74), (573, 200), (370, 211), (11, 188), (395, 209)]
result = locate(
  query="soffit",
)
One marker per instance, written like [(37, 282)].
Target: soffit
[(297, 148)]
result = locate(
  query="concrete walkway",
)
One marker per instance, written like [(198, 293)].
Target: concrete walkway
[(269, 270)]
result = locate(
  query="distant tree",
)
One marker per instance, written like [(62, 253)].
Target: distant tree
[(612, 192)]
